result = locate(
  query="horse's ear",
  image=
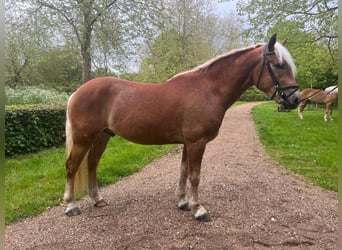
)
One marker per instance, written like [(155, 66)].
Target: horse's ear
[(272, 42), (284, 41)]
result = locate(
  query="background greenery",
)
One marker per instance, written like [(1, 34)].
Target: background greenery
[(30, 128), (61, 44), (308, 147)]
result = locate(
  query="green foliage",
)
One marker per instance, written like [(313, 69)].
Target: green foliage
[(191, 34), (31, 128), (59, 67), (104, 33), (311, 29), (253, 94), (172, 53), (315, 66), (307, 147), (36, 182), (319, 18), (33, 95)]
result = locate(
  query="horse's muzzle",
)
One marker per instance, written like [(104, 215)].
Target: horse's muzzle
[(286, 103)]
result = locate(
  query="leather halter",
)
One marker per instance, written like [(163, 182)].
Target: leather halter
[(279, 89)]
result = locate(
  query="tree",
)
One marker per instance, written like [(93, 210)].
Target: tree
[(315, 67), (318, 17), (59, 67), (191, 34), (23, 39), (171, 53), (311, 27), (230, 33), (82, 20)]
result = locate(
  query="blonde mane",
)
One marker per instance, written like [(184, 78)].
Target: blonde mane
[(282, 54), (208, 63)]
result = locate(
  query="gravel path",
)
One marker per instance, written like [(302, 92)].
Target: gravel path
[(254, 203)]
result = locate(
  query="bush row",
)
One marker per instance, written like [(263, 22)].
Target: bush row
[(253, 94), (30, 128)]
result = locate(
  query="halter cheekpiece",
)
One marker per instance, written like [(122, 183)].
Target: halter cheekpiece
[(279, 89)]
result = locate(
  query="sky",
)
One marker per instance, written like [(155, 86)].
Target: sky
[(226, 7)]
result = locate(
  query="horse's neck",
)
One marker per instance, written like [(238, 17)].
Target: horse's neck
[(232, 76)]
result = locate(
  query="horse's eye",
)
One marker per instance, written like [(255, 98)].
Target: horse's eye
[(279, 65)]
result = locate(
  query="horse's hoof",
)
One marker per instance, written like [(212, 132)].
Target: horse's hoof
[(101, 203), (73, 211), (185, 207), (202, 214), (204, 218), (183, 204)]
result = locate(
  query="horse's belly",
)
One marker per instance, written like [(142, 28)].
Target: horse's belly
[(148, 131), (166, 131), (149, 136)]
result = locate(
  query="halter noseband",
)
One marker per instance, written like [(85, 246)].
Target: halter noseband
[(279, 89)]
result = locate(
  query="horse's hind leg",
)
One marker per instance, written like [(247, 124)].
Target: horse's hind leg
[(328, 111), (94, 156), (73, 162), (181, 188)]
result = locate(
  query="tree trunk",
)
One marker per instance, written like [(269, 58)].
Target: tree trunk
[(86, 41), (86, 67)]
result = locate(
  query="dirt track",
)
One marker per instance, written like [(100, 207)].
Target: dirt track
[(254, 204)]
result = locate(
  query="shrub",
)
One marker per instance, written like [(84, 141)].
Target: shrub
[(33, 95), (29, 128), (253, 94)]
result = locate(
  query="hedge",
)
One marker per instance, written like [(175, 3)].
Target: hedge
[(30, 128), (253, 94)]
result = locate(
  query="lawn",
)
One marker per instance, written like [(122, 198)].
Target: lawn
[(307, 147), (35, 182)]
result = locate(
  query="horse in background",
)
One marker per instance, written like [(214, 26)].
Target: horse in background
[(331, 89), (327, 96)]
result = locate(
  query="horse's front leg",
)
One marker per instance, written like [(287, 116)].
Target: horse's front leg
[(195, 153), (181, 188), (300, 111)]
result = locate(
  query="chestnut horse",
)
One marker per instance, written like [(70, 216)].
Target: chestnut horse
[(187, 109), (327, 96)]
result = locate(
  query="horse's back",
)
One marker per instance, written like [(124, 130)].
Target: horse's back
[(331, 90)]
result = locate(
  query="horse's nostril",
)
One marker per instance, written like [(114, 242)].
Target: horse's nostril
[(296, 100)]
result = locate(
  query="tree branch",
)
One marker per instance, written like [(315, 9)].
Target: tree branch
[(64, 14)]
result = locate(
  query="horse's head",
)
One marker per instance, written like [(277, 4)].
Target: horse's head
[(278, 82)]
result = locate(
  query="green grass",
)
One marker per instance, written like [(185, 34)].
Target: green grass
[(35, 182), (307, 147)]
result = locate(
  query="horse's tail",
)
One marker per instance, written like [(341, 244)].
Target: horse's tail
[(81, 177)]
